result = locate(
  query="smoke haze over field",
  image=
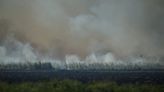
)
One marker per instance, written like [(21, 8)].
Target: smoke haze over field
[(59, 28)]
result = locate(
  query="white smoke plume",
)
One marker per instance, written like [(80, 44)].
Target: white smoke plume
[(81, 31)]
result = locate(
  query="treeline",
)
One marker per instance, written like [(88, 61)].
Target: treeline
[(82, 66), (29, 66), (113, 66)]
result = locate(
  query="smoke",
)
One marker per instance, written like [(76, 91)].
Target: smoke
[(60, 28)]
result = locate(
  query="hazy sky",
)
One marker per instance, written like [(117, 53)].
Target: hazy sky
[(82, 27)]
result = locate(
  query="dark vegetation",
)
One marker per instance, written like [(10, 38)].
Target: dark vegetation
[(156, 77), (44, 78), (77, 86), (44, 71)]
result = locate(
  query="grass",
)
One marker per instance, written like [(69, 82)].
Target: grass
[(77, 86)]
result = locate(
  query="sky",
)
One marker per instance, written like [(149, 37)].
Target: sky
[(58, 28)]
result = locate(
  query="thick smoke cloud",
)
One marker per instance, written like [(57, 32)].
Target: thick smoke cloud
[(63, 27)]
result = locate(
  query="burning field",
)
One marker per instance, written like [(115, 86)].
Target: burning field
[(85, 40)]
